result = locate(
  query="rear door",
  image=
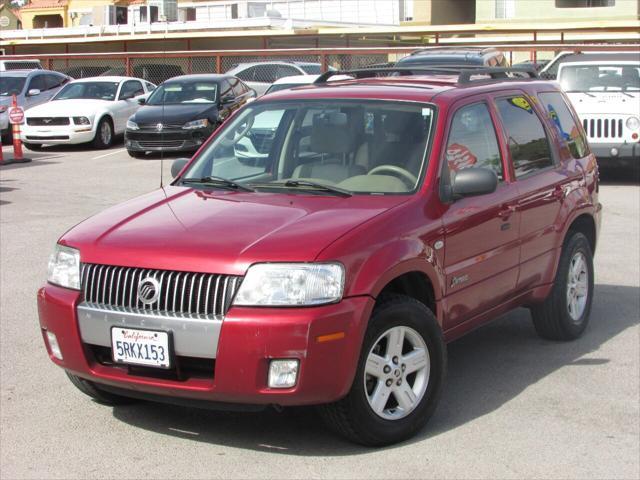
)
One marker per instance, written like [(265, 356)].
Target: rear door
[(543, 178), (481, 232)]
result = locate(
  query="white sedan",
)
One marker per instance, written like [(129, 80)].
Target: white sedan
[(88, 110)]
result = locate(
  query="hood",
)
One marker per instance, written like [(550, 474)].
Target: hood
[(613, 103), (68, 108), (180, 228), (175, 113)]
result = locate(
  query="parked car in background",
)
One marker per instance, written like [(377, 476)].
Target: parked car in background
[(259, 75), (606, 96), (537, 65), (383, 218), (550, 71), (87, 110), (6, 65), (474, 56), (155, 73), (299, 80), (312, 68), (31, 88), (181, 113), (84, 71)]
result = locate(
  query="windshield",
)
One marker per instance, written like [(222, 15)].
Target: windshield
[(11, 85), (176, 93), (364, 147), (600, 78), (88, 90)]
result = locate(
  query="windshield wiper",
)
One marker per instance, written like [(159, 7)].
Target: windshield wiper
[(306, 183), (218, 182)]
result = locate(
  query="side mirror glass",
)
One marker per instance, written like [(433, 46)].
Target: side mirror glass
[(33, 92), (142, 101), (177, 166), (473, 181)]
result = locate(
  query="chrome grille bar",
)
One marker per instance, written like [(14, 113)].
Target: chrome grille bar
[(184, 294)]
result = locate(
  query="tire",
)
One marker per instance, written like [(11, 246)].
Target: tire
[(134, 154), (354, 416), (34, 147), (103, 140), (557, 318), (100, 396)]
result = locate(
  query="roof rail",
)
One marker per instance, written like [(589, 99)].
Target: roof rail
[(464, 72)]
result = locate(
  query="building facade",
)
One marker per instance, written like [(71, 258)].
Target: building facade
[(490, 11)]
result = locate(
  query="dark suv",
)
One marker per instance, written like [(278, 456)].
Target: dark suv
[(327, 242)]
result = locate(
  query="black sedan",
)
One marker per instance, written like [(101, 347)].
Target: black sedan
[(183, 112)]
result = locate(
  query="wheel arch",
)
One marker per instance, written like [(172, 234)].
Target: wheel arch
[(585, 224)]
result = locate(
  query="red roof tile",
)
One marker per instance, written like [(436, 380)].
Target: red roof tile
[(36, 4)]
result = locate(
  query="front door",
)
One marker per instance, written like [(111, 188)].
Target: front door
[(481, 232)]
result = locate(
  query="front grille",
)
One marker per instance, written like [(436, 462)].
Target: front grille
[(158, 137), (180, 293), (603, 127), (48, 121), (161, 144), (165, 126)]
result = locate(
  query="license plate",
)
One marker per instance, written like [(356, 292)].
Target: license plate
[(149, 348)]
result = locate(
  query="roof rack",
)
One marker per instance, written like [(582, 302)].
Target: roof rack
[(464, 73)]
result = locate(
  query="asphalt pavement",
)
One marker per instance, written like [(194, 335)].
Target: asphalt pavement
[(515, 406)]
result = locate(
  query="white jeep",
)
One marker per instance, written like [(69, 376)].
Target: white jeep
[(606, 97)]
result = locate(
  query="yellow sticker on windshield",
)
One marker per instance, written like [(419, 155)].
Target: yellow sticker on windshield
[(522, 103)]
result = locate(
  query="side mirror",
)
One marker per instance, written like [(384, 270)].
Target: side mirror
[(33, 92), (142, 101), (473, 181), (226, 100), (177, 165)]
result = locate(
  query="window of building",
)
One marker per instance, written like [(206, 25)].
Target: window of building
[(472, 141), (526, 137), (584, 3), (505, 8), (148, 14), (188, 14)]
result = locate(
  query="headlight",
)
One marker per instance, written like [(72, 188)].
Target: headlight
[(282, 284), (64, 267), (81, 121), (131, 125), (632, 123), (202, 123)]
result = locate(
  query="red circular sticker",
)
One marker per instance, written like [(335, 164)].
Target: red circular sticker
[(16, 115), (459, 157)]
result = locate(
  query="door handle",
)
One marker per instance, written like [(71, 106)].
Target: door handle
[(506, 212)]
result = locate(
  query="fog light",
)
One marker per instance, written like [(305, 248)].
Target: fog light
[(53, 345), (283, 373), (614, 152)]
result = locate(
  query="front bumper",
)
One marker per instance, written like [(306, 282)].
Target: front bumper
[(63, 135), (247, 339), (173, 140), (625, 154)]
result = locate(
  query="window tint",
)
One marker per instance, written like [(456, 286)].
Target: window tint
[(527, 139), (472, 140), (53, 81), (247, 75), (286, 71), (569, 133), (38, 82), (130, 89)]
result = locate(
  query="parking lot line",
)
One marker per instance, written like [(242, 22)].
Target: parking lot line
[(110, 153)]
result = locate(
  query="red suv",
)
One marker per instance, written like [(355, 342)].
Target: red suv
[(327, 242)]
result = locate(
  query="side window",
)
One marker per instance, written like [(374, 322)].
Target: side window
[(265, 73), (569, 133), (286, 71), (225, 89), (53, 81), (526, 137), (247, 75), (38, 82), (150, 86), (130, 89), (236, 85), (472, 140)]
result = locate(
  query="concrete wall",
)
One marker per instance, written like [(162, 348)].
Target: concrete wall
[(536, 10)]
